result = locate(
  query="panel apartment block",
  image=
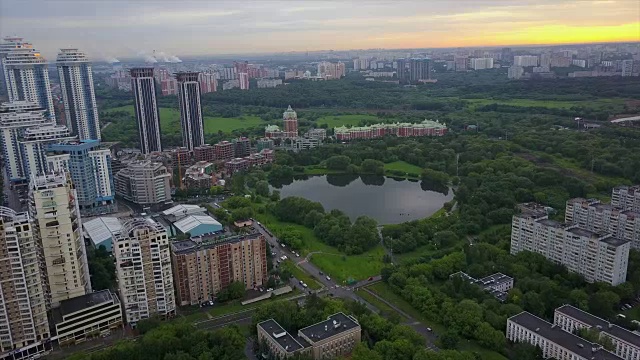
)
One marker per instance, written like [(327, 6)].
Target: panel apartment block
[(205, 265), (593, 215)]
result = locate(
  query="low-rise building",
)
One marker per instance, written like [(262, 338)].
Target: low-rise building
[(100, 231), (264, 143), (626, 342), (268, 83), (334, 337), (197, 225), (181, 211), (425, 128), (236, 165), (202, 266), (497, 284), (552, 340), (317, 133), (205, 152), (84, 317)]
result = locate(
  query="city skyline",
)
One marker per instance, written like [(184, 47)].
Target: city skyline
[(197, 28)]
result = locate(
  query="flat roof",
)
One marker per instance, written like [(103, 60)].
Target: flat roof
[(614, 241), (193, 221), (582, 232), (552, 223), (335, 324), (205, 242), (79, 303), (601, 324), (280, 335), (102, 228), (183, 209), (495, 279), (564, 339)]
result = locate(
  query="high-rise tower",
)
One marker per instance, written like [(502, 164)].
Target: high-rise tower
[(58, 227), (290, 119), (147, 115), (190, 110), (27, 78), (8, 44), (23, 300), (76, 82), (419, 69)]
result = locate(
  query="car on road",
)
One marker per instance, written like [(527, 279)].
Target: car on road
[(301, 282), (269, 289), (296, 254), (429, 329), (283, 245), (320, 272), (304, 285), (370, 278), (273, 253), (328, 278)]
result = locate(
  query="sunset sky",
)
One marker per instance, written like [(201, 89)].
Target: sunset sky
[(129, 28)]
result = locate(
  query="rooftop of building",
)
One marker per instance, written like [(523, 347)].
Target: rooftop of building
[(555, 334), (334, 325), (193, 221), (614, 241), (208, 241), (79, 303), (582, 232), (280, 335), (495, 279), (630, 189), (236, 161), (102, 228), (532, 209), (551, 223), (583, 201), (183, 209), (600, 324)]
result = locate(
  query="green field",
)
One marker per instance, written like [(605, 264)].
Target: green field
[(403, 166), (342, 267), (300, 274), (170, 121), (551, 104), (349, 120), (385, 310)]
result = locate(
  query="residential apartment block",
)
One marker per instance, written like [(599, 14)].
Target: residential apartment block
[(626, 342), (57, 225), (202, 266), (143, 269), (328, 339), (595, 216), (597, 257), (224, 150), (23, 302), (626, 197), (552, 340), (144, 182)]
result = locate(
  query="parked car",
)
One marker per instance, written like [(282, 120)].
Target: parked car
[(304, 285), (328, 278)]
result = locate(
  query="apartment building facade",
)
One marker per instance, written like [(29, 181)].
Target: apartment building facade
[(204, 266), (593, 215), (626, 197), (24, 325), (626, 342), (57, 224), (552, 340), (144, 182), (597, 257), (143, 269)]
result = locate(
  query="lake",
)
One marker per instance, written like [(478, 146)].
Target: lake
[(387, 200)]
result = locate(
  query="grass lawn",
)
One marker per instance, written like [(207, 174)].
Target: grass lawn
[(300, 274), (309, 240), (551, 104), (170, 121), (348, 120), (384, 308), (343, 267), (403, 166), (384, 291)]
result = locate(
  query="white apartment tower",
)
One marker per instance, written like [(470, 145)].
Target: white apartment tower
[(592, 215), (143, 266), (23, 301), (597, 257), (27, 78), (15, 118), (8, 44), (57, 222), (76, 83), (34, 144), (626, 197)]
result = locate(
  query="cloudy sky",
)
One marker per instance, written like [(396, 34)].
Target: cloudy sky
[(109, 28)]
